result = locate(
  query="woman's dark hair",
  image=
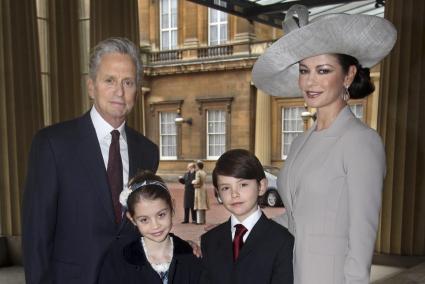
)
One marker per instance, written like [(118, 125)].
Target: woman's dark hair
[(362, 85), (148, 191), (238, 163)]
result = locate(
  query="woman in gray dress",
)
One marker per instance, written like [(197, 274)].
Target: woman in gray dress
[(331, 183)]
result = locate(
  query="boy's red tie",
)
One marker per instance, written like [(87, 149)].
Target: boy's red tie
[(238, 240)]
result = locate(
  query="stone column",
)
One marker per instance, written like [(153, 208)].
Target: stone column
[(21, 109), (244, 33), (190, 24), (190, 29), (263, 128), (402, 126), (244, 30), (144, 25)]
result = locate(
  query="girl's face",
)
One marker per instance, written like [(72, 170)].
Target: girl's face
[(322, 80), (153, 219)]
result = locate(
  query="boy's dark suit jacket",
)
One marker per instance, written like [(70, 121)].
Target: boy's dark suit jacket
[(129, 265), (68, 219), (266, 256)]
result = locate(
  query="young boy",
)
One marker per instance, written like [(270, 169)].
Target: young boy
[(258, 252)]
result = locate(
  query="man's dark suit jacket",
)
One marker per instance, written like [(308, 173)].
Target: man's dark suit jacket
[(266, 256), (68, 219)]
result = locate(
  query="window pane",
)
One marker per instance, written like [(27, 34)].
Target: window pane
[(222, 16), (173, 44), (164, 22), (168, 135), (169, 21), (217, 27), (216, 133), (165, 41), (223, 34), (292, 126), (173, 20), (357, 110), (213, 16), (164, 6)]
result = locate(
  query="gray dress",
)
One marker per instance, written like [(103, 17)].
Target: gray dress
[(331, 186)]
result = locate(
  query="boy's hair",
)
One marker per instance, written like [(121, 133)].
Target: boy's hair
[(150, 187), (238, 163)]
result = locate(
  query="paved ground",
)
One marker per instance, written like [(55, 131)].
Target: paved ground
[(217, 213)]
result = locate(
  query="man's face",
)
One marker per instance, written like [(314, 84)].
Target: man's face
[(114, 90)]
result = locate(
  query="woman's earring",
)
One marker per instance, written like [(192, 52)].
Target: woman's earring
[(346, 94)]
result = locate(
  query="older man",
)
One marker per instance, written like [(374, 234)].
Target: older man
[(77, 170)]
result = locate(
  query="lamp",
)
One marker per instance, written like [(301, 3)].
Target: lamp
[(180, 120), (306, 115)]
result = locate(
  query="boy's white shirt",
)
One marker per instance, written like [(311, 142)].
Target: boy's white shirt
[(248, 223)]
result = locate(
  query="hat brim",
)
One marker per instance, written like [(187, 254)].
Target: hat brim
[(367, 38)]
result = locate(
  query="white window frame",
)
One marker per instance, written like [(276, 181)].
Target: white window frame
[(354, 107), (162, 134), (208, 133), (222, 20), (170, 29), (297, 131)]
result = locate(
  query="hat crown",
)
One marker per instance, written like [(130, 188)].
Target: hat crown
[(289, 23)]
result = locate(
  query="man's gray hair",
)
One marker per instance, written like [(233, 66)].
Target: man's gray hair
[(119, 45)]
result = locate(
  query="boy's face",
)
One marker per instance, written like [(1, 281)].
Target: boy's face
[(240, 196)]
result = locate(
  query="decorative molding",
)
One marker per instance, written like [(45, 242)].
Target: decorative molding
[(227, 101), (154, 105), (199, 67)]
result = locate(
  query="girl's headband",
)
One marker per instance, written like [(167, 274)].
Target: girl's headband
[(126, 192)]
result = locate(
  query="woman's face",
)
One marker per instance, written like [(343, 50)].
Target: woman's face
[(153, 218), (322, 80)]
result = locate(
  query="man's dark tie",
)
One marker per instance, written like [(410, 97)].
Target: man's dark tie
[(114, 172), (238, 240)]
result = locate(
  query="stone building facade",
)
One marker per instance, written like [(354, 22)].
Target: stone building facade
[(198, 65)]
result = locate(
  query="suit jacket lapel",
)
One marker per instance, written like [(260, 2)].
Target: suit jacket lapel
[(133, 152), (254, 238), (291, 174), (91, 157), (225, 247), (331, 135)]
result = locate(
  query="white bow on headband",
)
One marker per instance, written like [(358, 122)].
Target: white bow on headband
[(126, 192)]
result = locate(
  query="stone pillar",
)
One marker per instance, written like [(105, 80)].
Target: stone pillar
[(263, 128), (244, 30), (144, 26), (244, 33), (21, 109), (190, 29), (190, 25), (402, 126)]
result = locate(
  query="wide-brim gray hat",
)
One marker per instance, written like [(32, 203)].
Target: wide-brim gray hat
[(367, 38)]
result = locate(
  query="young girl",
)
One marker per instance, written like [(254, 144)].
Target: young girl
[(158, 256)]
